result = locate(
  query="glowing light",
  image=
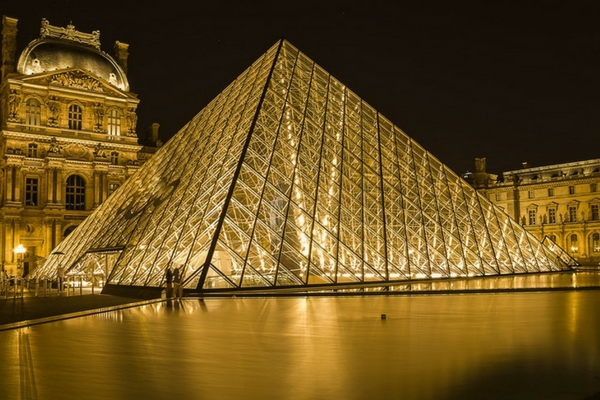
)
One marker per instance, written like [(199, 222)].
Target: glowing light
[(20, 249)]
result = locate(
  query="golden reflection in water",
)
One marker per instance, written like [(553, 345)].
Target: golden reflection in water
[(505, 345)]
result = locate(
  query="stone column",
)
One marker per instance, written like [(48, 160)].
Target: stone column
[(18, 183)]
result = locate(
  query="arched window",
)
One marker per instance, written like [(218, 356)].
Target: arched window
[(75, 193), (596, 242), (553, 238), (75, 117), (114, 122), (573, 245), (68, 231), (33, 110)]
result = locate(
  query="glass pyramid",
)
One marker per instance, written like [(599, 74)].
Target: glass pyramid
[(287, 179)]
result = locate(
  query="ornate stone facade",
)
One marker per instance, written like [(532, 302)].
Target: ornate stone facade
[(560, 201), (68, 137)]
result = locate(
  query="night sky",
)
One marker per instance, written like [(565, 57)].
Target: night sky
[(511, 82)]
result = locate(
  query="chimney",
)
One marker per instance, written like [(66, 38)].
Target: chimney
[(480, 165), (9, 45), (122, 53), (152, 133)]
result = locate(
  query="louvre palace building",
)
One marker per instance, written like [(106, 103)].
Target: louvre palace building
[(68, 137), (559, 201)]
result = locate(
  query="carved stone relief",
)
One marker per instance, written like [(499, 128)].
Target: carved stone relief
[(14, 101), (77, 80), (77, 151)]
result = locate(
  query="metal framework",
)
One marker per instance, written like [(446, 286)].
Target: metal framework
[(287, 179)]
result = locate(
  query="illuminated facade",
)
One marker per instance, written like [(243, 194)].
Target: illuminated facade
[(561, 202), (67, 137), (288, 180)]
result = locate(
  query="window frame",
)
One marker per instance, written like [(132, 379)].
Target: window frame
[(32, 150), (75, 117), (32, 191), (552, 215), (594, 212), (75, 193), (531, 215), (114, 122), (33, 112)]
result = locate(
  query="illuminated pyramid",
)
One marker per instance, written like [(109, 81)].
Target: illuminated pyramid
[(287, 179)]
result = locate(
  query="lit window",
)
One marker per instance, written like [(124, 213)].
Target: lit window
[(594, 212), (32, 150), (593, 187), (114, 158), (498, 196), (531, 194), (112, 187), (75, 193), (596, 242), (574, 247), (550, 192), (552, 215), (571, 189), (31, 191), (531, 217), (573, 214), (114, 122), (75, 117), (33, 110)]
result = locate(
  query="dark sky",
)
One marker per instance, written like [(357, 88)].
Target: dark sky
[(511, 82)]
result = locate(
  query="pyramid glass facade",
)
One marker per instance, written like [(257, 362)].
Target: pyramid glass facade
[(287, 179)]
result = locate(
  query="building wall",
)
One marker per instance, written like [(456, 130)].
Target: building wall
[(559, 201), (54, 170)]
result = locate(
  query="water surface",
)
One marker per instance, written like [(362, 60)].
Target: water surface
[(543, 345)]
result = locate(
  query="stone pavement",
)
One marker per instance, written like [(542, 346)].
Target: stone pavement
[(29, 309)]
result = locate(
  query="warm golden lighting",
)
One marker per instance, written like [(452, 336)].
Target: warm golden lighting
[(20, 249), (289, 179)]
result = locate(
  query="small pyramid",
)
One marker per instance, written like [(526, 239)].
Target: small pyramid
[(287, 179)]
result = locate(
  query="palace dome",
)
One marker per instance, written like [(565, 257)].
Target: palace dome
[(50, 54)]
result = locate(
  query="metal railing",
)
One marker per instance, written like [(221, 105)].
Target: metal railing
[(44, 287)]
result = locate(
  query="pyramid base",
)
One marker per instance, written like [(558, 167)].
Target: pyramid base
[(135, 292)]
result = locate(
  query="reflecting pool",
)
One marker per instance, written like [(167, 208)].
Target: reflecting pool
[(542, 345)]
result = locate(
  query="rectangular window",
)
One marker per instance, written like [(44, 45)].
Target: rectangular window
[(593, 187), (114, 123), (573, 214), (31, 191), (594, 212), (32, 151), (531, 194), (552, 215), (498, 196), (32, 112), (571, 189), (550, 192), (531, 217), (75, 117), (596, 243), (112, 187)]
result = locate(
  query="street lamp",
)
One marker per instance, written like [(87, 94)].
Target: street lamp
[(19, 251)]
